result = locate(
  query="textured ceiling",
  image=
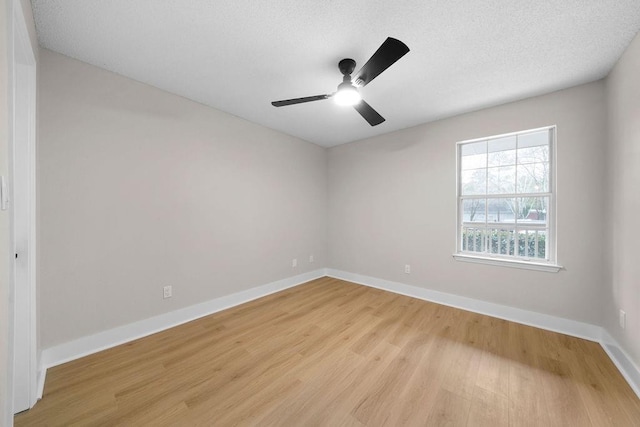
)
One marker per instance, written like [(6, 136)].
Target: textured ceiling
[(240, 55)]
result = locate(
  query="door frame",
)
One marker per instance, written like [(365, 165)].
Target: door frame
[(22, 177)]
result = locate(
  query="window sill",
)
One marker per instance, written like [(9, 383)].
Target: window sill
[(527, 265)]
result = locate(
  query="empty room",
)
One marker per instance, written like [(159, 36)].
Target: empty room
[(297, 213)]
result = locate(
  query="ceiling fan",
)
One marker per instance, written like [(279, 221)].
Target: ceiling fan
[(347, 94)]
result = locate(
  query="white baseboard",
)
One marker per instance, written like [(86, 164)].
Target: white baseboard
[(42, 375), (85, 346), (619, 357)]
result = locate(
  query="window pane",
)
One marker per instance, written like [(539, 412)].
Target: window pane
[(532, 210), (473, 210), (473, 182), (473, 239), (533, 139), (540, 244), (502, 241), (533, 147), (533, 178), (533, 155), (523, 250), (473, 156), (493, 241), (501, 210), (532, 243), (502, 151), (501, 180)]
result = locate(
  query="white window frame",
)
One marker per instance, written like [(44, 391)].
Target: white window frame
[(548, 265)]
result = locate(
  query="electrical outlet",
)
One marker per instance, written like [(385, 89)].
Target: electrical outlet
[(407, 269), (310, 258), (167, 292), (294, 263), (623, 319)]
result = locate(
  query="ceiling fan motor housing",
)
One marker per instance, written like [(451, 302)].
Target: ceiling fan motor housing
[(347, 66)]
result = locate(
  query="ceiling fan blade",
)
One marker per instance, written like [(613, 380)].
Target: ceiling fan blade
[(386, 55), (299, 100), (368, 113)]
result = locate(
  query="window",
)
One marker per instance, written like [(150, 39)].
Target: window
[(506, 200)]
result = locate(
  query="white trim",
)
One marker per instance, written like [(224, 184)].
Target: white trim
[(22, 125), (515, 263), (42, 376), (87, 345), (629, 370), (618, 356), (504, 135)]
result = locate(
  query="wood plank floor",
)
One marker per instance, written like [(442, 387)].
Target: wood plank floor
[(333, 353)]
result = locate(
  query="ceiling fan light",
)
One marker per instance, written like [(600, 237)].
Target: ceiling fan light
[(347, 94)]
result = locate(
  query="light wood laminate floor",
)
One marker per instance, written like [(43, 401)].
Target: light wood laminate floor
[(333, 353)]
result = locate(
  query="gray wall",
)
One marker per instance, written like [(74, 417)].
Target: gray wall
[(623, 205), (392, 201), (140, 189)]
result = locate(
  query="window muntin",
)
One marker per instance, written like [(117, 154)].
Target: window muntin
[(505, 198)]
